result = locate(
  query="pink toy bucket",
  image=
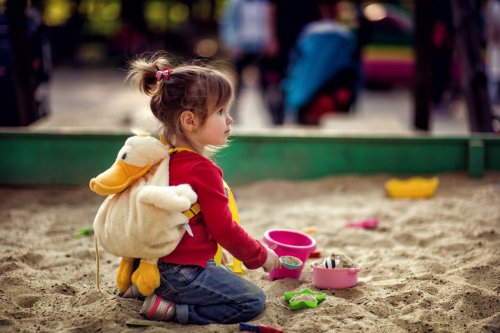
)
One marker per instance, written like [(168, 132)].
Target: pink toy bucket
[(337, 278), (289, 243)]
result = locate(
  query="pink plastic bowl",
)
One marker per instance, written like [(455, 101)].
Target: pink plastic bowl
[(338, 278), (289, 243)]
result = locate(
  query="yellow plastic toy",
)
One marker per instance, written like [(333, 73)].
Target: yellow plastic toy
[(412, 188), (237, 266)]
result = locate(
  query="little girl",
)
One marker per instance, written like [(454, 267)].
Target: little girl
[(192, 103)]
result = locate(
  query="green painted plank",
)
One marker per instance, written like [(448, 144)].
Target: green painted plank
[(257, 158), (492, 155), (33, 158), (476, 158), (73, 158)]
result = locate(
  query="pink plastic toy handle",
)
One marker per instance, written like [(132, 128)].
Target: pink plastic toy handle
[(272, 246), (366, 224)]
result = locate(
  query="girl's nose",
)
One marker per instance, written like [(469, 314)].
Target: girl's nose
[(229, 119)]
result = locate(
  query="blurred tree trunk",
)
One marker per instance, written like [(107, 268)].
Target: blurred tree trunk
[(24, 85), (474, 79), (423, 63)]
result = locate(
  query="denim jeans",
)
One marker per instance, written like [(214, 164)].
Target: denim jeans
[(213, 294)]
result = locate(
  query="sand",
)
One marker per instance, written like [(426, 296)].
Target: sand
[(430, 265)]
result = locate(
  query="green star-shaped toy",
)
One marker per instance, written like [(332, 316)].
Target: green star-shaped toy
[(303, 299)]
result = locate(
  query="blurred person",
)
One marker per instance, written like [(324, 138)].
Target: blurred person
[(192, 104), (492, 32), (244, 33), (126, 42), (132, 35), (324, 74), (286, 20)]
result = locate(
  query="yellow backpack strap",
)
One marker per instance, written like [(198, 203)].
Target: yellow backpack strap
[(174, 150), (237, 265), (192, 211), (195, 208)]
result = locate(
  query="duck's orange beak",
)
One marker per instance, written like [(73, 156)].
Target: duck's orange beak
[(117, 178)]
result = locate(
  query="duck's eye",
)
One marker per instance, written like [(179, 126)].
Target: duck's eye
[(124, 156)]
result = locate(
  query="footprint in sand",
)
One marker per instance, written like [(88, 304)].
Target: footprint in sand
[(64, 289), (27, 301)]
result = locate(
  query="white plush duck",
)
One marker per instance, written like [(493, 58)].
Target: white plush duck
[(142, 217)]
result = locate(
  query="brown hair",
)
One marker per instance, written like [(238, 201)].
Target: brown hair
[(197, 88)]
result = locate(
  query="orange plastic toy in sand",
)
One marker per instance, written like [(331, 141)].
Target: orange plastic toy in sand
[(412, 188)]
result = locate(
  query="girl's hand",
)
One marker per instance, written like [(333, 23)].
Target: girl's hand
[(272, 261)]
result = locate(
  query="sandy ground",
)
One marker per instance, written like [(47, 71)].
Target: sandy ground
[(431, 265)]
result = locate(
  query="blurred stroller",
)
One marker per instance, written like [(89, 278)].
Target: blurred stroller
[(324, 74)]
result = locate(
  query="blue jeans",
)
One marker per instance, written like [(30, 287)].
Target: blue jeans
[(213, 294)]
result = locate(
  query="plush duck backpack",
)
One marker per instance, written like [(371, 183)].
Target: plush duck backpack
[(143, 217)]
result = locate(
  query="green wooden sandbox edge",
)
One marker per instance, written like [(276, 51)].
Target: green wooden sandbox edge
[(65, 158)]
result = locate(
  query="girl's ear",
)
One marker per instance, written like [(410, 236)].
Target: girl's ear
[(188, 121)]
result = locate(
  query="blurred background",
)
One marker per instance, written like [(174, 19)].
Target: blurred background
[(323, 65)]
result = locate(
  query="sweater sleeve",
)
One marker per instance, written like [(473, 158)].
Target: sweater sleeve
[(217, 215)]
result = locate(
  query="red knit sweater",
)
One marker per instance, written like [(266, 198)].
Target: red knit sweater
[(214, 224)]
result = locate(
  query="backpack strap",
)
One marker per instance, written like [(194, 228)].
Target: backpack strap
[(195, 208), (192, 211)]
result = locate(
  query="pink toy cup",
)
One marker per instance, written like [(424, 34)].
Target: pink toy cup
[(328, 278), (289, 243)]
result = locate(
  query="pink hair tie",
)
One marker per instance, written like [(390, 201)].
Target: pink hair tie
[(165, 73)]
